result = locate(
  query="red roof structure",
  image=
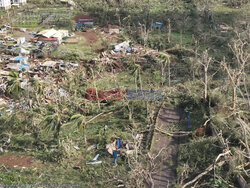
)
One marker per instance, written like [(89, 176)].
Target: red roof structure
[(80, 18), (47, 39)]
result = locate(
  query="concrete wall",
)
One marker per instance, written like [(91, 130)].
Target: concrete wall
[(5, 4)]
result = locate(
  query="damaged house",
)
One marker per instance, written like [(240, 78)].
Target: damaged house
[(69, 2), (19, 2), (5, 4), (84, 20), (52, 36)]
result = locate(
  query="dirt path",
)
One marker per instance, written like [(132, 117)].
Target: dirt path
[(15, 160), (164, 174)]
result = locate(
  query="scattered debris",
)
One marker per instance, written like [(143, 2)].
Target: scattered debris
[(76, 167), (21, 40), (113, 29), (53, 149), (225, 28), (76, 147), (95, 162), (96, 157), (72, 40), (23, 29), (111, 147), (91, 147), (118, 147), (157, 25), (123, 46)]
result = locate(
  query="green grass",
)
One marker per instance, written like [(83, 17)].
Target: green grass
[(159, 39), (162, 6), (81, 50), (125, 80), (62, 17), (223, 9), (2, 13)]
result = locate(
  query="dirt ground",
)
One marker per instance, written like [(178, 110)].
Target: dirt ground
[(14, 160), (90, 36)]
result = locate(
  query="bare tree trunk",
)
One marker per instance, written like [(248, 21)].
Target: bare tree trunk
[(234, 98), (246, 90), (169, 78), (205, 62), (205, 83), (181, 38), (169, 31), (196, 52), (98, 101), (85, 137)]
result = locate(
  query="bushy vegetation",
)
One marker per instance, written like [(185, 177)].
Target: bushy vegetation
[(201, 67)]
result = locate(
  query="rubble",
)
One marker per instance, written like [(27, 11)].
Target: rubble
[(24, 61), (76, 147), (91, 147), (21, 40), (118, 147), (115, 57), (94, 160)]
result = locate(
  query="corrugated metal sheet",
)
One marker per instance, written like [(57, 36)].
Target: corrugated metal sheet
[(60, 34), (18, 58), (48, 33), (49, 64)]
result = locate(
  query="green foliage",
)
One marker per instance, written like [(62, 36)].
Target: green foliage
[(218, 182), (17, 176), (52, 154), (52, 123), (191, 21), (198, 155), (14, 84)]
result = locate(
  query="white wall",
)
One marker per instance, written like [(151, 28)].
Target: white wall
[(5, 3)]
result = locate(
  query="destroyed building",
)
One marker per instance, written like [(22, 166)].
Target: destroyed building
[(20, 2), (5, 4), (83, 20), (113, 29), (52, 35)]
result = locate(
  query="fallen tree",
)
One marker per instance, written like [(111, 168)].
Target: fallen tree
[(174, 134), (208, 169)]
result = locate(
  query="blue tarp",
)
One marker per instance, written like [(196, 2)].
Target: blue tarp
[(157, 24), (18, 58), (85, 23), (20, 67), (89, 23), (118, 141), (79, 24)]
